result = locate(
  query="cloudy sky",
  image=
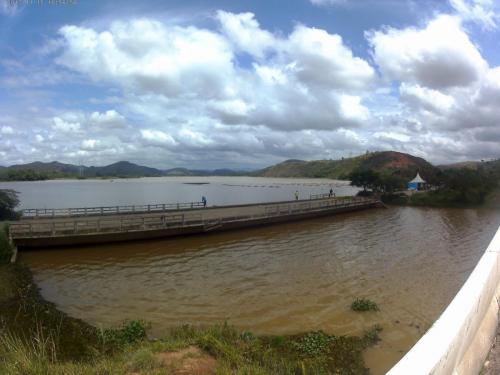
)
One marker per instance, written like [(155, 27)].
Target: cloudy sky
[(245, 84)]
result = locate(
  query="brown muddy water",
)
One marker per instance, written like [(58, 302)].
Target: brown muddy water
[(280, 279)]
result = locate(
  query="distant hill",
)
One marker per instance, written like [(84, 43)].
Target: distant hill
[(39, 166), (122, 169), (397, 163)]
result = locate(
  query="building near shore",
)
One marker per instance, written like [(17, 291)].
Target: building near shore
[(418, 183)]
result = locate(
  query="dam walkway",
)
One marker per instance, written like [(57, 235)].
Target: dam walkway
[(51, 230)]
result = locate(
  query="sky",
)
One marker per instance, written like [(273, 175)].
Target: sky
[(246, 84)]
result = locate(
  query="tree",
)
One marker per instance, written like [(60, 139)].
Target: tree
[(364, 178), (8, 201)]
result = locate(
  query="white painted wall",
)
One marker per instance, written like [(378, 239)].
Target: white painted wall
[(459, 341)]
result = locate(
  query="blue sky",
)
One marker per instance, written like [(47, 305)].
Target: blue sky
[(245, 84)]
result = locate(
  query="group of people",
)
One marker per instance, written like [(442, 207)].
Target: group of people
[(331, 194), (296, 195)]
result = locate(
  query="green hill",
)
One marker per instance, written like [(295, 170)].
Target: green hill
[(396, 163)]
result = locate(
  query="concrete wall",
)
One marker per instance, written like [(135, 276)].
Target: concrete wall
[(460, 340)]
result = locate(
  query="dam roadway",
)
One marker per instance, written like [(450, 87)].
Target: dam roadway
[(69, 227)]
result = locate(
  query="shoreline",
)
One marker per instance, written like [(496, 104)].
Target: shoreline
[(28, 321)]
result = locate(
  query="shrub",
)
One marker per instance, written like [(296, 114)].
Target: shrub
[(5, 246), (364, 304), (130, 332), (8, 201)]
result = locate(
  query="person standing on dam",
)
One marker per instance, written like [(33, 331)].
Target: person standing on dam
[(204, 201), (296, 195)]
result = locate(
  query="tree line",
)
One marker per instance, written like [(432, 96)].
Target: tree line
[(453, 186)]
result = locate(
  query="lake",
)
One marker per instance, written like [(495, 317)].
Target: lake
[(280, 279)]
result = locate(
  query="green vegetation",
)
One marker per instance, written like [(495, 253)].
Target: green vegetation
[(29, 175), (457, 187), (364, 304), (5, 246), (230, 351), (8, 201)]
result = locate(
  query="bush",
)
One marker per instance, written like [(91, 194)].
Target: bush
[(5, 246), (130, 332), (364, 304), (8, 201)]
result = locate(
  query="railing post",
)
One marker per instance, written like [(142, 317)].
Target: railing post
[(143, 223), (183, 220)]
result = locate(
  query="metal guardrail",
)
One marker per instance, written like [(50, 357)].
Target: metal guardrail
[(327, 195), (58, 227), (33, 213)]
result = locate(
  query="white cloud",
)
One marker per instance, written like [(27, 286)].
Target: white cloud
[(146, 56), (428, 99), (108, 119), (480, 11), (7, 130), (322, 59), (65, 126), (90, 144), (240, 95), (439, 56), (157, 138), (244, 31), (327, 2)]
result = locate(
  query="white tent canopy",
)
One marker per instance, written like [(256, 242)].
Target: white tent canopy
[(418, 179)]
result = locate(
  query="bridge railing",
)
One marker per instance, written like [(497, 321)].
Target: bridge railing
[(33, 213), (96, 225)]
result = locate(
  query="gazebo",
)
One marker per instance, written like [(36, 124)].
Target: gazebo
[(418, 183)]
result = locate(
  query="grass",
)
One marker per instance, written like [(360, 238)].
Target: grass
[(235, 352), (364, 304)]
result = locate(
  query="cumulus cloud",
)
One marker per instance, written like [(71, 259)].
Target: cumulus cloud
[(237, 94), (147, 56), (427, 99), (90, 144), (310, 80), (157, 138), (244, 31), (65, 126), (438, 56), (108, 119)]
